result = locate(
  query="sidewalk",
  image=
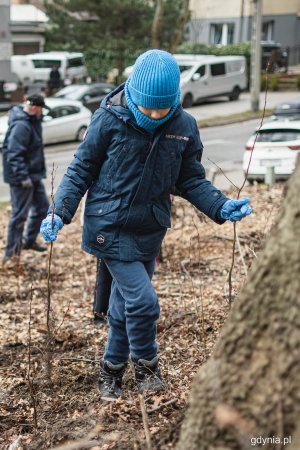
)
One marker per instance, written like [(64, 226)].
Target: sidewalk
[(220, 107)]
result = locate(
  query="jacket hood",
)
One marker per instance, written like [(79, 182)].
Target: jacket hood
[(18, 113), (115, 102)]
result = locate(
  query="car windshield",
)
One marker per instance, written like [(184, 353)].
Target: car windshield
[(185, 69), (72, 92), (279, 135)]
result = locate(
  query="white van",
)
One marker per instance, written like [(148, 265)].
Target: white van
[(70, 65), (23, 68), (206, 76)]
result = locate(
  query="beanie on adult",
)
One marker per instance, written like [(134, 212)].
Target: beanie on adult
[(154, 82)]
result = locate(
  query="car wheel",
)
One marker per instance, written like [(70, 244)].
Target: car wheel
[(187, 101), (80, 134), (235, 94)]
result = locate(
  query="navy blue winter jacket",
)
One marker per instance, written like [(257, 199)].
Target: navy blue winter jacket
[(129, 176), (23, 152)]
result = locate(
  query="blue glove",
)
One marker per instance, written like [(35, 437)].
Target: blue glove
[(235, 210), (50, 227)]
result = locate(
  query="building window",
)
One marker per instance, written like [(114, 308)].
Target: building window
[(268, 31), (221, 33)]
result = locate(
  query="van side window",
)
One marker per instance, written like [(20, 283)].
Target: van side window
[(75, 62), (201, 70), (217, 69), (45, 63)]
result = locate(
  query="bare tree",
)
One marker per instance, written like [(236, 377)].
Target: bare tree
[(249, 389), (182, 20), (157, 24)]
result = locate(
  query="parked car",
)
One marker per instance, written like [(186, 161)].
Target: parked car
[(277, 145), (273, 53), (287, 110), (89, 94), (207, 76), (66, 120)]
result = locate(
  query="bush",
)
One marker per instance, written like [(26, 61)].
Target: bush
[(298, 82), (273, 82)]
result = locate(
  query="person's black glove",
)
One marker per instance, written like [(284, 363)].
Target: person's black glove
[(27, 183)]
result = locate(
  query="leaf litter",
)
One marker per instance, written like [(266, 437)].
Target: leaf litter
[(191, 281)]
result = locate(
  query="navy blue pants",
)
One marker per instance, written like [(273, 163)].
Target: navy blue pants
[(26, 203), (133, 311)]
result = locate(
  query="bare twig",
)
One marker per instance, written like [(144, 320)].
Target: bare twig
[(30, 384), (223, 173), (242, 187), (145, 422), (48, 318), (241, 253)]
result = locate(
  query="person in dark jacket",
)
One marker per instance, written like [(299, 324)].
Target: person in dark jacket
[(54, 80), (23, 169), (139, 147)]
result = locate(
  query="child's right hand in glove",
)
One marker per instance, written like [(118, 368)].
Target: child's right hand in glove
[(50, 227)]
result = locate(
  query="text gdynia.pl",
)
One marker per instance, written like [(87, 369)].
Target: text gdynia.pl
[(260, 440)]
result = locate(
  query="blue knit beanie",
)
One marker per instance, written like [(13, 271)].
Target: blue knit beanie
[(154, 82)]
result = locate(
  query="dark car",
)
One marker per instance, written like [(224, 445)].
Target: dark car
[(274, 55), (289, 110), (88, 94)]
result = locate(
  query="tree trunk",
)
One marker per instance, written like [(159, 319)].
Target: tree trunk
[(180, 26), (156, 25), (249, 389)]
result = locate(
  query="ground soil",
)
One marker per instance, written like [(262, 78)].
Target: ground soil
[(192, 285)]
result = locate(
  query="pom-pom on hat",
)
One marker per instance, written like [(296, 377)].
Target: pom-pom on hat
[(154, 82)]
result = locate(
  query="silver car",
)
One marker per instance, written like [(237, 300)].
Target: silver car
[(66, 120)]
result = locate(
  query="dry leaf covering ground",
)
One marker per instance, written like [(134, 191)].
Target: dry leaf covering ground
[(191, 282)]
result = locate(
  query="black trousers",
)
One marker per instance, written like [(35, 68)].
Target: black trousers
[(102, 288)]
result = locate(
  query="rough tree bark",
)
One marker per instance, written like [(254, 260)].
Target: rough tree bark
[(250, 387), (180, 26)]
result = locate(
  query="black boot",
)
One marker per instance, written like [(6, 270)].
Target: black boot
[(148, 376), (100, 320), (34, 246), (110, 380)]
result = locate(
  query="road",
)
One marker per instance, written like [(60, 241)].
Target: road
[(223, 145)]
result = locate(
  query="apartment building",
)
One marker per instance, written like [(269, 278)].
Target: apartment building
[(229, 22), (5, 41), (28, 24)]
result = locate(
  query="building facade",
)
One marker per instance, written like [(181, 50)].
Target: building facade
[(5, 40), (222, 22), (27, 28)]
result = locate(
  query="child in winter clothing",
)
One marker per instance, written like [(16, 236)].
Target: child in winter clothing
[(140, 145)]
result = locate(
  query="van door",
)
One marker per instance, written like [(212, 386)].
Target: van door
[(198, 86)]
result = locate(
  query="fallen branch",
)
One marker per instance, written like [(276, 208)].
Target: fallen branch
[(162, 405), (94, 361), (82, 444)]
